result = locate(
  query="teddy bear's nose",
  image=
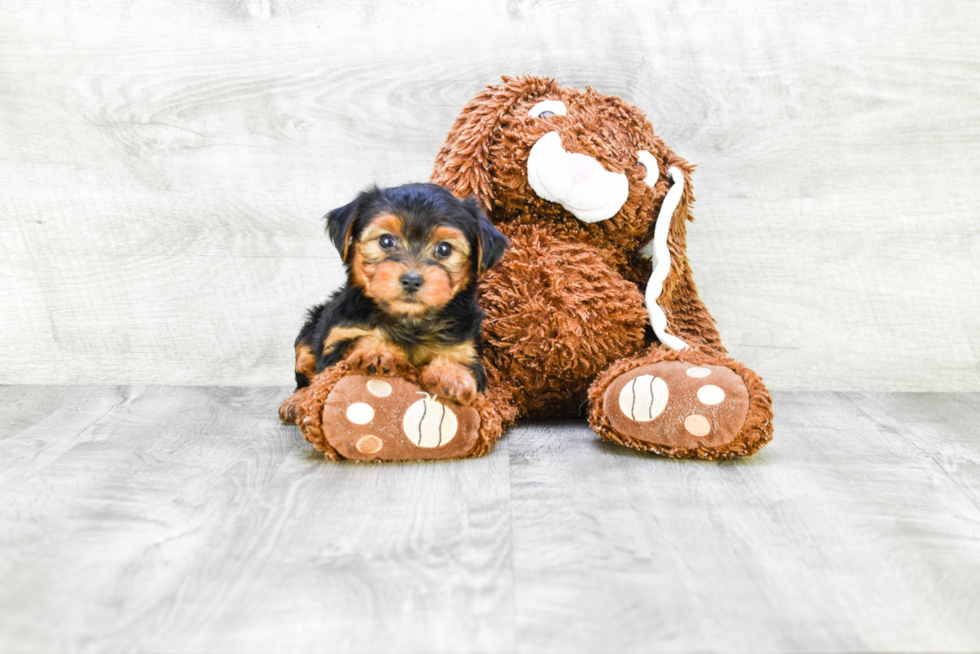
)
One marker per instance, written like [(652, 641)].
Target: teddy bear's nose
[(583, 169)]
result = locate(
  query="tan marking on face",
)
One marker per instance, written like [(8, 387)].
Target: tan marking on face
[(381, 278), (385, 282), (382, 224), (378, 276), (462, 279), (360, 272), (456, 263), (369, 250), (437, 289), (305, 361), (451, 235), (384, 286)]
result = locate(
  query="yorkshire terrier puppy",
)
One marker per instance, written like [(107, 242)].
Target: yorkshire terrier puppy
[(413, 256)]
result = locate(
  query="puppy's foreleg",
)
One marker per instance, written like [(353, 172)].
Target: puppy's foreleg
[(375, 355), (452, 374)]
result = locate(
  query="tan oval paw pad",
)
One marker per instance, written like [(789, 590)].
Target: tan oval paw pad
[(697, 425), (360, 413), (643, 398), (369, 444), (379, 388), (430, 423), (710, 394)]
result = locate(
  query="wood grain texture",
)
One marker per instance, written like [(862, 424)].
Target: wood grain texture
[(844, 535), (187, 519), (164, 166)]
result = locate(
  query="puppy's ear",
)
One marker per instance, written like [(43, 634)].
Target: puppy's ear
[(490, 242), (340, 223)]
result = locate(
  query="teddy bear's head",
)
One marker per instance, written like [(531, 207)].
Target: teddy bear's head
[(588, 166)]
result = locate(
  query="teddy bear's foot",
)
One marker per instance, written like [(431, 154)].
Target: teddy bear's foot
[(289, 409), (678, 405), (683, 405), (390, 419)]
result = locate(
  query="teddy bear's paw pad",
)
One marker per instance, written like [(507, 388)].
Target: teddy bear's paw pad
[(677, 404), (390, 419)]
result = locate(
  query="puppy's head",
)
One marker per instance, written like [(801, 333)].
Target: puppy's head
[(412, 248)]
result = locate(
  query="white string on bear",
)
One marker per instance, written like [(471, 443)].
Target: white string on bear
[(657, 251)]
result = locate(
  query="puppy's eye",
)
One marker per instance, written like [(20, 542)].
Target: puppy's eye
[(443, 250), (387, 241), (547, 108), (649, 163)]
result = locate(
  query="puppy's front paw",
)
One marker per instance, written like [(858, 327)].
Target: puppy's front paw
[(450, 380), (378, 359)]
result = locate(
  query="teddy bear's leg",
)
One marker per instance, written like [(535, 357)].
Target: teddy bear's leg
[(682, 404), (557, 314), (349, 415), (289, 409)]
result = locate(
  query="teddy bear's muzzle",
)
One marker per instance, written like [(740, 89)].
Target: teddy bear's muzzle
[(576, 181)]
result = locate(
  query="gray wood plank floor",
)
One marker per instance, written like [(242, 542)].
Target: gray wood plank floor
[(188, 519)]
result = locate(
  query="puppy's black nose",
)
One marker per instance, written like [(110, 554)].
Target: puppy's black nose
[(411, 281)]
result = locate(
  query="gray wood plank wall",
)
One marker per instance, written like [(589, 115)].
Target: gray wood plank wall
[(164, 165)]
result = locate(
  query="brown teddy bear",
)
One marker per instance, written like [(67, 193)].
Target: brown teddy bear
[(593, 302)]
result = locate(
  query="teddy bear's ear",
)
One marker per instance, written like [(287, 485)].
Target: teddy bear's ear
[(682, 214), (462, 163), (685, 168)]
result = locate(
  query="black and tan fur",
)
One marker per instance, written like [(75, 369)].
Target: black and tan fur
[(413, 255)]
